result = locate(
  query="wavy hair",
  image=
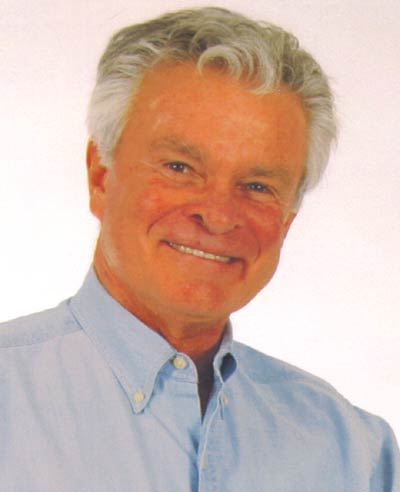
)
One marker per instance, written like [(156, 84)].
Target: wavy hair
[(259, 52)]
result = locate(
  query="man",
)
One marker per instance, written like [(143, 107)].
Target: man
[(205, 131)]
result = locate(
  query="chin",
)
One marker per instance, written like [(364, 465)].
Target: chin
[(202, 301)]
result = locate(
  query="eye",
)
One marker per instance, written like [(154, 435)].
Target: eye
[(258, 187), (178, 167), (180, 173)]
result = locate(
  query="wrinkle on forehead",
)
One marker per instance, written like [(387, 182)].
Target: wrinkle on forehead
[(204, 116)]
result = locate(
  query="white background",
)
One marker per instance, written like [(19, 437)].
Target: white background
[(333, 306)]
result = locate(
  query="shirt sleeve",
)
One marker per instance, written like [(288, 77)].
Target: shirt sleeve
[(386, 474)]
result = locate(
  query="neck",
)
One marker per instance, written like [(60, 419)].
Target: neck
[(197, 338)]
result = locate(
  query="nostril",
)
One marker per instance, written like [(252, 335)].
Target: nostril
[(216, 218), (198, 218)]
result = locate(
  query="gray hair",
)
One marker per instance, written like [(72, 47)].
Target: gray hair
[(244, 49)]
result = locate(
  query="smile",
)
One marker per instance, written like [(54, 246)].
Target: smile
[(201, 254)]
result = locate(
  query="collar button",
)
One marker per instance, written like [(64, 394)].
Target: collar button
[(179, 362), (138, 396)]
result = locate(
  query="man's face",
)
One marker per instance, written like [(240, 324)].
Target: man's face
[(197, 204)]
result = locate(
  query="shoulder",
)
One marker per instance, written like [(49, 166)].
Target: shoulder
[(264, 369), (37, 328), (311, 400), (309, 413), (285, 381)]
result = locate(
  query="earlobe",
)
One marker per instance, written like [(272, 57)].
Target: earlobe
[(96, 173)]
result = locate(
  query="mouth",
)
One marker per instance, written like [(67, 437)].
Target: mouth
[(201, 254)]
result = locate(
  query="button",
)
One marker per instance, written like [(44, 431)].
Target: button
[(224, 400), (179, 362), (138, 396)]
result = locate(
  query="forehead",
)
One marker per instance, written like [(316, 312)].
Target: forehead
[(217, 113)]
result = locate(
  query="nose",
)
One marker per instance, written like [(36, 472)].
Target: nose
[(218, 213)]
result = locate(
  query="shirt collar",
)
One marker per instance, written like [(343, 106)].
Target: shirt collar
[(134, 352)]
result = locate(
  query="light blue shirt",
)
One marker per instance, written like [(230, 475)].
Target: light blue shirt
[(91, 400)]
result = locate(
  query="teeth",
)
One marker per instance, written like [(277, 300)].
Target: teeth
[(199, 253)]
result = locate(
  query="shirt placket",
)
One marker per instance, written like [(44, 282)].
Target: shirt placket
[(176, 404), (209, 456)]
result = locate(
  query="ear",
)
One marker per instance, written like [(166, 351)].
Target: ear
[(288, 222), (97, 174)]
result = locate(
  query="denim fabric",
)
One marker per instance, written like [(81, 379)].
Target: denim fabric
[(91, 400)]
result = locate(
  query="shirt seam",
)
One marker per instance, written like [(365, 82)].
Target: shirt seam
[(37, 339)]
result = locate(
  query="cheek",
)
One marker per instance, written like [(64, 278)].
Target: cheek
[(270, 233), (153, 203), (134, 213), (269, 229), (135, 202)]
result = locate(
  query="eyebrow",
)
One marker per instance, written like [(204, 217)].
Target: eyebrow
[(184, 148)]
